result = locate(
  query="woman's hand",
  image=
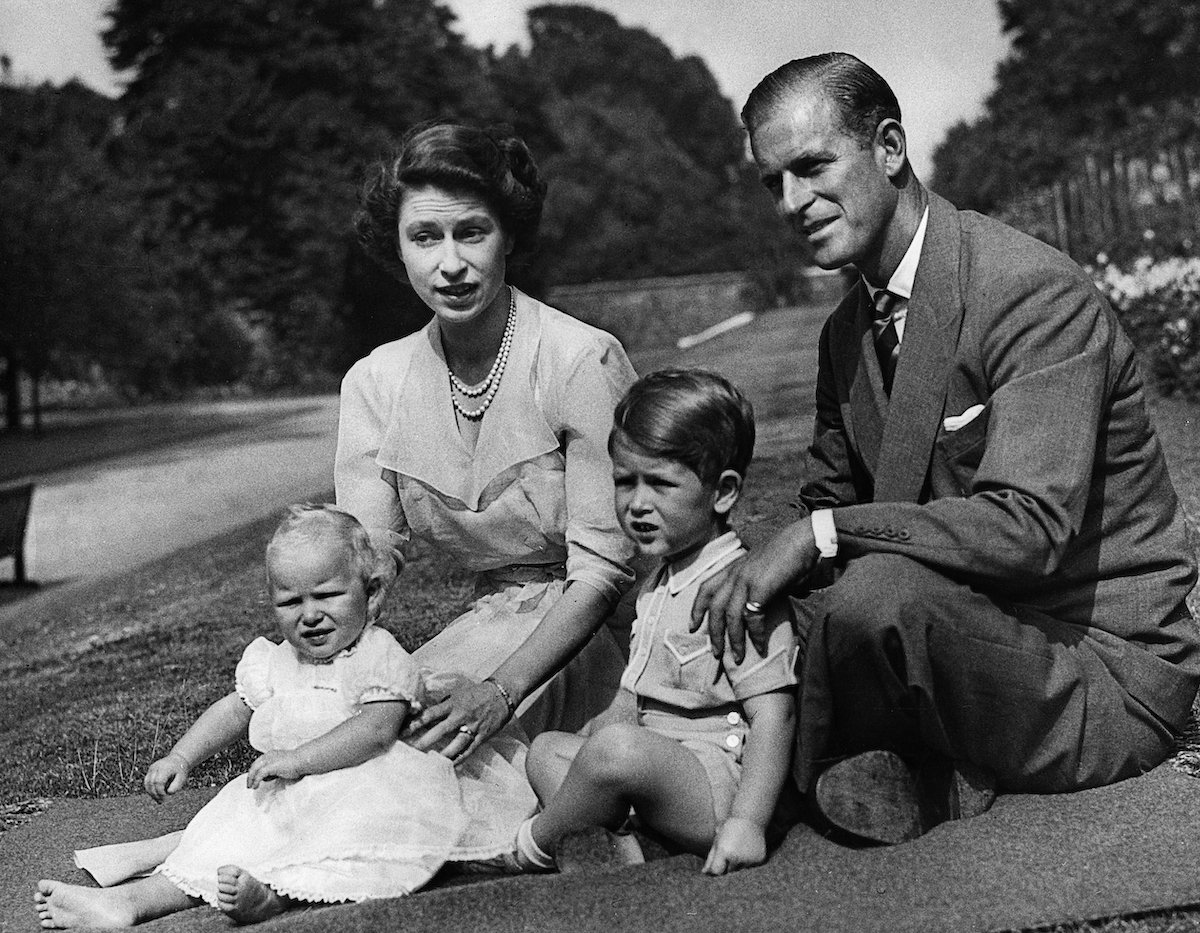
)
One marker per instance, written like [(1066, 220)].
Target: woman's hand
[(469, 716), (740, 843), (166, 776), (270, 766)]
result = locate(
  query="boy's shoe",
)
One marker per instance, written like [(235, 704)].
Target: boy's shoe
[(879, 797), (525, 857)]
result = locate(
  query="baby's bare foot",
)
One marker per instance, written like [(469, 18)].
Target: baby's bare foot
[(246, 899), (62, 906)]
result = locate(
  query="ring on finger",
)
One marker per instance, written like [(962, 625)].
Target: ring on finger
[(752, 608), (467, 731)]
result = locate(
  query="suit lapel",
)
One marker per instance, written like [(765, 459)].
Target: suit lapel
[(926, 355)]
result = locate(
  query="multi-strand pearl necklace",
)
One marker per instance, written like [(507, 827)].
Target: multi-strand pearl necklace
[(488, 387)]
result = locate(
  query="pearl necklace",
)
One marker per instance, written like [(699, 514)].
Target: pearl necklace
[(491, 384)]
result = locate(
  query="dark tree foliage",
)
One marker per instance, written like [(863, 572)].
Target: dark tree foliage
[(584, 53), (195, 232), (644, 157), (69, 263), (249, 124), (1081, 74)]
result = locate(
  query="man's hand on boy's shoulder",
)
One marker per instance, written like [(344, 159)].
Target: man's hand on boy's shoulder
[(734, 602)]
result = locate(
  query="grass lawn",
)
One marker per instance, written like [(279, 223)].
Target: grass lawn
[(98, 685)]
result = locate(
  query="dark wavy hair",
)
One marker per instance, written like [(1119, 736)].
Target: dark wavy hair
[(493, 164), (691, 416), (859, 94)]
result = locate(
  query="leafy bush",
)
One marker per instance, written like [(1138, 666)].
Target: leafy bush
[(1159, 304)]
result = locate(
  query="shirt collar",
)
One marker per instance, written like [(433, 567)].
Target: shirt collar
[(514, 431), (901, 282), (712, 556)]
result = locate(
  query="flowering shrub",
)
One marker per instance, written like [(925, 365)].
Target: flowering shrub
[(1159, 304)]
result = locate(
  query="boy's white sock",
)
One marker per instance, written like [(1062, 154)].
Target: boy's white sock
[(529, 853)]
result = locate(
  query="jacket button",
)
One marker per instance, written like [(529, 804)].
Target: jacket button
[(732, 741), (733, 718)]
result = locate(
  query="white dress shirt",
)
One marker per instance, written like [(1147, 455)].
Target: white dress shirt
[(900, 284)]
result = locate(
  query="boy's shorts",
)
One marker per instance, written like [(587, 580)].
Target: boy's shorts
[(716, 737)]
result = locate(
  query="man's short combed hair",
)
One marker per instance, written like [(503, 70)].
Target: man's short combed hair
[(691, 416), (859, 94), (310, 522)]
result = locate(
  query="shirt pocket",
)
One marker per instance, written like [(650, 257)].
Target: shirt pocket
[(692, 665)]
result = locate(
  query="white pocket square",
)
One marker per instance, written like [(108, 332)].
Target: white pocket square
[(954, 422)]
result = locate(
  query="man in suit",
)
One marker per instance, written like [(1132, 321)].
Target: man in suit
[(984, 489)]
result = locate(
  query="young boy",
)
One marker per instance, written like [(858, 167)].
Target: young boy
[(695, 743)]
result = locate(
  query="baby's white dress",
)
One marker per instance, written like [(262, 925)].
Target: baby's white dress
[(378, 829)]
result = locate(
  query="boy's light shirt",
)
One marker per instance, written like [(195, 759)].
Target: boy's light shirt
[(901, 283), (669, 664)]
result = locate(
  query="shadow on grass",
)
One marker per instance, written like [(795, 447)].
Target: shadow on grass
[(13, 592)]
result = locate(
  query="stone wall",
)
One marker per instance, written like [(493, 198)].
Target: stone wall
[(657, 312)]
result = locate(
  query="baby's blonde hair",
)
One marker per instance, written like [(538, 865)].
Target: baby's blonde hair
[(309, 522)]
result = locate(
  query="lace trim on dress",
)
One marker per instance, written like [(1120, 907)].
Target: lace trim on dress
[(300, 894), (428, 857), (186, 886)]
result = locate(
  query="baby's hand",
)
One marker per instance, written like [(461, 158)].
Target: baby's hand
[(740, 843), (271, 765), (166, 776)]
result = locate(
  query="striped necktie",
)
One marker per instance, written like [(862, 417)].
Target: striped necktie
[(887, 340)]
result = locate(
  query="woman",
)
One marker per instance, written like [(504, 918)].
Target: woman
[(485, 435)]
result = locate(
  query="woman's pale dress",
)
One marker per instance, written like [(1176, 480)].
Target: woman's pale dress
[(528, 507)]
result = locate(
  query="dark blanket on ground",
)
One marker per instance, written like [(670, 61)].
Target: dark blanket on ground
[(1031, 860)]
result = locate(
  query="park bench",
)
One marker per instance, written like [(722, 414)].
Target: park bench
[(14, 516)]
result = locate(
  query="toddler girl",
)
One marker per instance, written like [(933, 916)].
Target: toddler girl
[(335, 808), (697, 744)]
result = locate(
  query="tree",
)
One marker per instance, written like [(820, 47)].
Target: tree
[(250, 122), (70, 271), (644, 157), (1081, 74)]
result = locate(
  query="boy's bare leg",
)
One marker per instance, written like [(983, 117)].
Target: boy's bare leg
[(246, 899), (63, 906), (622, 766), (550, 757)]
